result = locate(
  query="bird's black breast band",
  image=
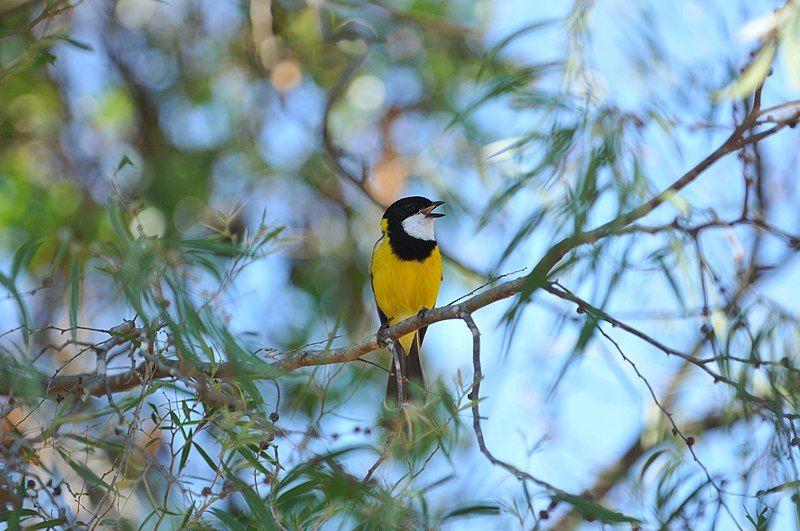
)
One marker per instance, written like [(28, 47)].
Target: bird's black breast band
[(407, 247)]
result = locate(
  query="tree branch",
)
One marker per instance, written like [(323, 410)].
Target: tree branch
[(93, 384)]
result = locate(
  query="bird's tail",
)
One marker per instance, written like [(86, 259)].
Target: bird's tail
[(412, 378)]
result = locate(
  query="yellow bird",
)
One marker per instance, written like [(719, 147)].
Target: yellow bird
[(406, 272)]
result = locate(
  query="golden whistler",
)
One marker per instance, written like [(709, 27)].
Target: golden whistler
[(406, 272)]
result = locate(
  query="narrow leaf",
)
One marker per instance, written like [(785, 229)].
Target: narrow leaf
[(84, 472), (752, 77), (74, 296), (588, 508), (124, 161), (24, 255), (477, 509)]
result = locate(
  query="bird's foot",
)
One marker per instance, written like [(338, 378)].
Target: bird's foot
[(382, 336), (423, 312)]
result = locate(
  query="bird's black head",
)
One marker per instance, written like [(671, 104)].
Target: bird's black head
[(409, 206), (409, 224)]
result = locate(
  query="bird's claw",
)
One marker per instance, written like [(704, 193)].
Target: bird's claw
[(423, 312), (382, 336)]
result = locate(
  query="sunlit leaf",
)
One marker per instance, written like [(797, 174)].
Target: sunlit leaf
[(752, 76), (790, 39), (491, 56)]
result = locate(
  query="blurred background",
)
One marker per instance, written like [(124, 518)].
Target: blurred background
[(222, 167)]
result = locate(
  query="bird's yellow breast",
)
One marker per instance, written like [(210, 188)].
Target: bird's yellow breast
[(404, 287)]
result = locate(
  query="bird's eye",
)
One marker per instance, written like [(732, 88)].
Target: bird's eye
[(409, 207)]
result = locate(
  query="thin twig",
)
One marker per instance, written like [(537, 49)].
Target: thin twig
[(583, 306), (382, 457), (474, 397), (688, 440)]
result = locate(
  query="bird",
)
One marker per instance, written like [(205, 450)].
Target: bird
[(406, 274)]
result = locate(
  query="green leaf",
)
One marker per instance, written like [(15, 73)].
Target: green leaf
[(680, 508), (228, 519), (595, 510), (505, 84), (117, 223), (298, 490), (779, 488), (586, 335), (48, 524), (9, 284), (78, 44), (90, 442), (187, 447), (14, 517), (759, 521), (491, 55), (476, 509), (60, 251), (210, 462), (677, 201), (124, 161), (676, 290), (256, 504), (74, 296), (187, 516), (650, 460), (84, 472), (24, 255)]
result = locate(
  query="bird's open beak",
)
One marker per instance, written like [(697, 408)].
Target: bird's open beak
[(428, 210)]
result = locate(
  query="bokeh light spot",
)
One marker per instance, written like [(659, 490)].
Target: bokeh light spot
[(286, 75), (188, 212), (367, 92), (21, 112), (388, 180), (134, 14), (149, 222)]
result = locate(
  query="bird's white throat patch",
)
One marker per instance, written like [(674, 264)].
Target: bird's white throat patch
[(419, 226)]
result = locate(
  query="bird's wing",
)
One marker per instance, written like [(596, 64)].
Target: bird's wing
[(382, 316)]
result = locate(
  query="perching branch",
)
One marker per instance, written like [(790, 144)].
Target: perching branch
[(157, 368)]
